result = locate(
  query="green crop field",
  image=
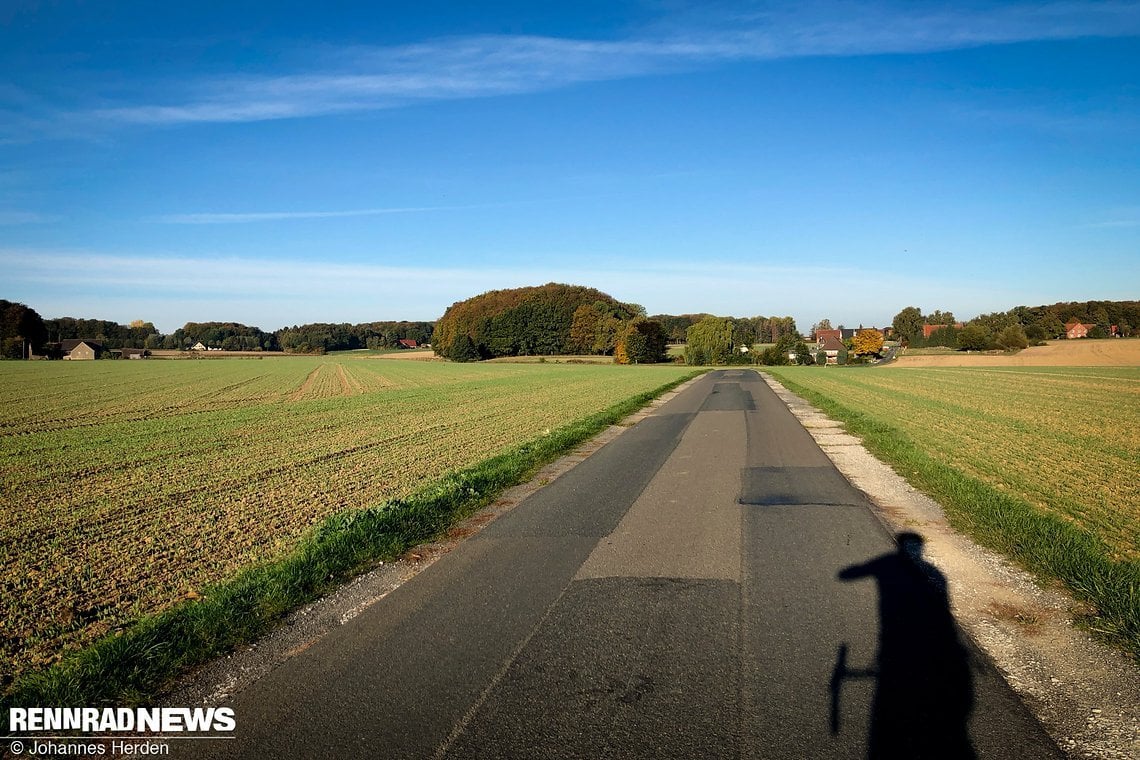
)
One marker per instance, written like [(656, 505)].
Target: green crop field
[(128, 486), (1039, 462), (1065, 440)]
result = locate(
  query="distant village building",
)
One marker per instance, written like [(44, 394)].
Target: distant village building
[(1077, 330), (847, 333), (831, 345), (407, 343), (80, 349), (199, 346)]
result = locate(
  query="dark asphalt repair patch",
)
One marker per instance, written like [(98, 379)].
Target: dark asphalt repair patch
[(789, 486), (728, 397)]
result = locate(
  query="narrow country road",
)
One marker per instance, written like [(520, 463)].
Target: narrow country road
[(707, 585)]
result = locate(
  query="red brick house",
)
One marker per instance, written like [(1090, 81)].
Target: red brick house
[(1077, 330)]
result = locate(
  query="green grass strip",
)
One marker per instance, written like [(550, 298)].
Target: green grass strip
[(129, 668), (1043, 543)]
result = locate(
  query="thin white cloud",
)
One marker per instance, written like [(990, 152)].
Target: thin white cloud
[(273, 216), (1115, 224), (274, 293), (276, 216), (363, 78)]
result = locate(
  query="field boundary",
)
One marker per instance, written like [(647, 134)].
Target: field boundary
[(1043, 544), (129, 668)]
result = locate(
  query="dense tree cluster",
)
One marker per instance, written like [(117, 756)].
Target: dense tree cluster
[(748, 330), (109, 334), (640, 341), (21, 328), (533, 321), (320, 337), (726, 340), (1019, 327)]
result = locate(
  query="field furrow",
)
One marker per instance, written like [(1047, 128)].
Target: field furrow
[(129, 486)]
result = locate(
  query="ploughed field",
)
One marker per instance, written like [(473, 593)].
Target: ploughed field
[(1064, 440), (128, 486)]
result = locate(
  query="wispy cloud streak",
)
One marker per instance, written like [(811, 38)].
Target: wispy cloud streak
[(273, 216), (363, 78)]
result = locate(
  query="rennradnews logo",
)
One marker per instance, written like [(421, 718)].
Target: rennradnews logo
[(95, 720)]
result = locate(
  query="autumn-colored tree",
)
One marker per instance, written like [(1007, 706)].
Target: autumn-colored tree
[(868, 342), (526, 321), (621, 355), (641, 341)]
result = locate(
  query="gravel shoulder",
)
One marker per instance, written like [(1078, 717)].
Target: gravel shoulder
[(1086, 694)]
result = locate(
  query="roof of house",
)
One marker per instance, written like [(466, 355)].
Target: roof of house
[(408, 343), (71, 343), (832, 343)]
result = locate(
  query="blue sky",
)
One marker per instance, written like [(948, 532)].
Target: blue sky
[(290, 162)]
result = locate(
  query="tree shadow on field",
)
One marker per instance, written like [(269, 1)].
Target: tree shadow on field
[(924, 690)]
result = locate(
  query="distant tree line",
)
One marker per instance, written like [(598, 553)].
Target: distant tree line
[(320, 337), (23, 330), (1019, 327), (748, 329), (730, 340)]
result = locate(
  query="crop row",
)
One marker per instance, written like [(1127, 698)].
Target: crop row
[(1066, 441), (225, 465)]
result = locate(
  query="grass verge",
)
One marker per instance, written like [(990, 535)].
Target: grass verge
[(1044, 544), (128, 668)]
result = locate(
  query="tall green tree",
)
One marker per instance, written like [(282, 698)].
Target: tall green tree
[(973, 338), (908, 323), (709, 341)]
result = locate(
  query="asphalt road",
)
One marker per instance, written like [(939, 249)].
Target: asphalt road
[(706, 585)]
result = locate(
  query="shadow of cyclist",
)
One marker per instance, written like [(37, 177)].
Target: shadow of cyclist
[(924, 690)]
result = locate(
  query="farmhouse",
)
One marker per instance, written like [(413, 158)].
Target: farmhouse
[(847, 333), (199, 346), (407, 343), (1077, 330), (832, 345), (822, 335), (80, 349)]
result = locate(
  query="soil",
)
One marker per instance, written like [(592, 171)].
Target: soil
[(1111, 352)]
